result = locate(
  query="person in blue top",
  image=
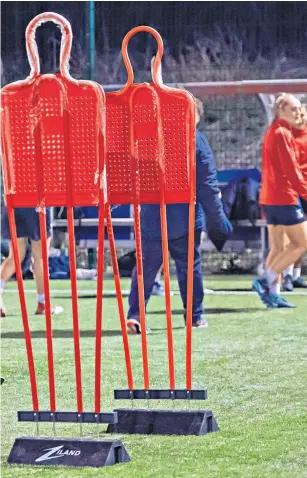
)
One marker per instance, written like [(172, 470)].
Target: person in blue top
[(218, 228)]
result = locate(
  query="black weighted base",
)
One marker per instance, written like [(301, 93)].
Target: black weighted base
[(67, 452), (66, 417), (161, 394), (163, 422)]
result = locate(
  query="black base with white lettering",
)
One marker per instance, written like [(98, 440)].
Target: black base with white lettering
[(163, 422), (67, 452)]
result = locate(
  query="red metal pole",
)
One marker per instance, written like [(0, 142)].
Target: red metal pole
[(139, 268), (189, 310), (119, 296), (23, 306), (138, 241), (168, 306), (72, 249), (165, 252), (100, 274), (74, 298), (43, 235)]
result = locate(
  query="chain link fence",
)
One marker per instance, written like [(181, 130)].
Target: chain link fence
[(204, 41)]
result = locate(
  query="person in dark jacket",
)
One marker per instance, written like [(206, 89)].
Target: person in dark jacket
[(217, 225)]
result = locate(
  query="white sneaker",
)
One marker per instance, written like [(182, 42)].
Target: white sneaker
[(158, 290), (200, 324), (55, 309)]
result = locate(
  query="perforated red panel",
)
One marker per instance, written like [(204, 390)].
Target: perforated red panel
[(176, 143), (118, 149), (133, 117), (20, 147), (36, 128)]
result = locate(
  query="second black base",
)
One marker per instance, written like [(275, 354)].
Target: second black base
[(163, 422)]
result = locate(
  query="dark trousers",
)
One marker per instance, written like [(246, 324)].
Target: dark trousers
[(152, 261)]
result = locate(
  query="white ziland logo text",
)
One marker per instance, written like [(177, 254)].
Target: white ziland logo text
[(57, 452)]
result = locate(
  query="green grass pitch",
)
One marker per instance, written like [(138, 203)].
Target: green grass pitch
[(252, 360)]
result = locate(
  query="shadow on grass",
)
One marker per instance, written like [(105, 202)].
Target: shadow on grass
[(59, 334), (220, 310), (237, 289), (68, 334), (106, 295)]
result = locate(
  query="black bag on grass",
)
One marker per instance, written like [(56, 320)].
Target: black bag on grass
[(126, 263)]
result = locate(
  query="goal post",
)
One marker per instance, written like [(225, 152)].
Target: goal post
[(237, 113)]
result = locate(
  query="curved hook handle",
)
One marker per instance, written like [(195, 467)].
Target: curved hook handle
[(66, 42), (156, 76), (159, 70)]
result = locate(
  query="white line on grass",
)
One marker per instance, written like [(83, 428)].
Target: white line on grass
[(176, 292)]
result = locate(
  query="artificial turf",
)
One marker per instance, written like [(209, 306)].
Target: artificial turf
[(252, 360)]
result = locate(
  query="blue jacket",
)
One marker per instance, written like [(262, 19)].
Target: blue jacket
[(207, 201)]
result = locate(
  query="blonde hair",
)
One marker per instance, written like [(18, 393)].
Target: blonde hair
[(199, 107), (304, 114), (281, 101)]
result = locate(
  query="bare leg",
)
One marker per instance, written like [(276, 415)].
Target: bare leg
[(38, 265), (39, 278), (158, 276), (297, 269), (277, 239), (280, 257), (7, 268), (297, 280), (297, 246), (158, 288)]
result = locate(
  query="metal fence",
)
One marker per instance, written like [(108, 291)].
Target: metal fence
[(234, 126), (203, 40)]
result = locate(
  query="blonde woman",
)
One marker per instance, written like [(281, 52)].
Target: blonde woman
[(292, 275), (282, 185)]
